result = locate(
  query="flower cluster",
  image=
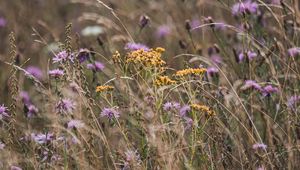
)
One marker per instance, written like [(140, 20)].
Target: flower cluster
[(110, 113), (151, 58), (163, 81), (245, 7), (104, 88), (191, 71), (116, 57), (203, 108), (266, 90), (65, 106), (56, 73), (171, 105)]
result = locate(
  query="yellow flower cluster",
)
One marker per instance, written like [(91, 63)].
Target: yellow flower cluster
[(163, 81), (193, 71), (104, 88), (204, 109), (116, 57), (151, 58)]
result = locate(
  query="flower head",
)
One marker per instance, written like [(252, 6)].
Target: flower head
[(203, 108), (259, 146), (104, 88), (149, 58), (163, 31), (3, 112), (15, 168), (251, 84), (212, 70), (267, 90), (184, 110), (110, 113), (62, 56), (2, 145), (163, 81), (136, 46), (191, 71), (35, 72), (42, 138), (171, 106), (292, 101), (65, 106), (25, 97), (56, 73), (2, 22), (294, 51), (245, 7), (75, 124), (32, 110), (97, 66), (83, 55)]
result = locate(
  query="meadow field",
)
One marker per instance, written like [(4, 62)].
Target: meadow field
[(150, 84)]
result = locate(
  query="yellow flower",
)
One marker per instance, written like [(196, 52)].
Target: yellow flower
[(104, 88), (116, 57), (203, 108), (189, 71), (163, 81), (150, 58)]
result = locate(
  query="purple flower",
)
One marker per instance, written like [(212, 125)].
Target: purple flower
[(188, 122), (42, 138), (97, 66), (261, 168), (292, 101), (136, 46), (245, 7), (62, 56), (2, 145), (251, 84), (259, 146), (267, 90), (163, 31), (251, 55), (184, 110), (212, 70), (32, 110), (65, 106), (3, 112), (132, 156), (25, 97), (35, 72), (2, 22), (195, 23), (15, 168), (83, 55), (75, 124), (56, 73), (216, 58), (110, 113), (171, 105), (294, 51)]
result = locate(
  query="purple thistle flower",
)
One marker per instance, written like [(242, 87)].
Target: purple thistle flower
[(261, 168), (292, 101), (163, 31), (294, 51), (42, 138), (132, 156), (251, 84), (188, 122), (2, 22), (251, 55), (259, 146), (35, 72), (212, 70), (195, 23), (2, 145), (110, 113), (171, 105), (136, 46), (184, 110), (216, 58), (267, 90), (65, 106), (3, 112), (25, 97), (62, 56), (32, 110), (245, 7), (15, 168), (75, 124), (97, 66), (56, 73), (83, 55)]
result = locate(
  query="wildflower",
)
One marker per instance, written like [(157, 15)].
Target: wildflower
[(2, 22), (267, 90), (32, 110), (184, 110), (151, 58), (132, 156), (163, 81), (35, 72), (163, 31), (62, 56), (250, 54), (251, 84), (191, 71), (144, 21), (292, 101), (261, 168), (171, 105), (204, 109), (3, 112), (104, 88), (216, 58), (110, 113), (212, 70), (116, 57), (56, 73), (65, 105), (83, 55), (294, 51), (25, 97), (2, 145), (42, 138), (97, 66), (189, 122), (245, 7), (136, 46), (75, 124), (15, 168), (259, 146)]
